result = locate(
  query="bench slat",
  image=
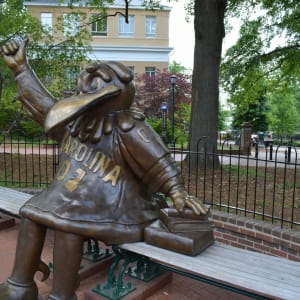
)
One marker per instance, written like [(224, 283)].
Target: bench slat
[(252, 259), (11, 200), (258, 273)]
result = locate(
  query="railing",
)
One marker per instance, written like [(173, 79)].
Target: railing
[(262, 185), (27, 162)]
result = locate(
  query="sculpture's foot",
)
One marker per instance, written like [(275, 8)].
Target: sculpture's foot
[(52, 297), (11, 290)]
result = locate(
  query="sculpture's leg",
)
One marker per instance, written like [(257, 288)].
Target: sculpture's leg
[(20, 285), (68, 251)]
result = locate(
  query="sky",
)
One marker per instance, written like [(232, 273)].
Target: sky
[(182, 35)]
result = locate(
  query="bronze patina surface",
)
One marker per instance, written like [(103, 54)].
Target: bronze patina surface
[(111, 163), (182, 232)]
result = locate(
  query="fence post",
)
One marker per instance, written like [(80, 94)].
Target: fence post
[(271, 152), (285, 155), (246, 131), (289, 154), (256, 150)]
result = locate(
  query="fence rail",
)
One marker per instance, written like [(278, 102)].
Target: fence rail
[(27, 162), (262, 185)]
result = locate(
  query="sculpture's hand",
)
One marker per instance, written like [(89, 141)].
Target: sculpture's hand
[(14, 55), (181, 200)]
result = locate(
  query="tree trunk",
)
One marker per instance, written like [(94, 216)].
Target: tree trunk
[(209, 33)]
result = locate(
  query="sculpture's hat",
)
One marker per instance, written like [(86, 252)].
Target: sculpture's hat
[(107, 85)]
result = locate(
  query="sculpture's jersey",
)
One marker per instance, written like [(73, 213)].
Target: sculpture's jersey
[(103, 188)]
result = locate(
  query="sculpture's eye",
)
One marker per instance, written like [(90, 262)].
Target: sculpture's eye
[(89, 83), (96, 84)]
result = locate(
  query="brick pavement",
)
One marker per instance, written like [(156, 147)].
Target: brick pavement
[(180, 288)]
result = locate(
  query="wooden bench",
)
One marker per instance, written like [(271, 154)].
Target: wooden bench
[(245, 272), (11, 200)]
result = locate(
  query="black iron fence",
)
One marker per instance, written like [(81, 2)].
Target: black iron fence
[(27, 162), (263, 185)]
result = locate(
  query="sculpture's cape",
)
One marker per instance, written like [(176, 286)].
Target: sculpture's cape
[(66, 110)]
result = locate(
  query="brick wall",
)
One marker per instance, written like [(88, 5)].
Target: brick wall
[(255, 235)]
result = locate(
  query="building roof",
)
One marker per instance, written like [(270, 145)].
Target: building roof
[(117, 3)]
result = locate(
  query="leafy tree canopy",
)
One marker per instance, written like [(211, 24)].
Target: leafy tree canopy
[(266, 58), (284, 117), (46, 57), (175, 67), (255, 114), (152, 91)]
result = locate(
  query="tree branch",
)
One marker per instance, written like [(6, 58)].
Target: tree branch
[(125, 15), (277, 50)]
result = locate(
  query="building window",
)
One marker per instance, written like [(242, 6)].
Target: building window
[(150, 26), (126, 30), (46, 21), (71, 23), (99, 25), (150, 71)]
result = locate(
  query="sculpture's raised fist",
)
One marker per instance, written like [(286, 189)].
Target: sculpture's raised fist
[(13, 53)]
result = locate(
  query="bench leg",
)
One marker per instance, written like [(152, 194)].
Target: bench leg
[(115, 288)]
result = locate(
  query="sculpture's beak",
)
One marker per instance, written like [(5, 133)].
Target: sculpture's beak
[(66, 110)]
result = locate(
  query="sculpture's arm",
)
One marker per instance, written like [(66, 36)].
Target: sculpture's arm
[(36, 99), (152, 163)]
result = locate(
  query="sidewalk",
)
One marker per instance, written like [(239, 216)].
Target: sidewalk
[(180, 288)]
